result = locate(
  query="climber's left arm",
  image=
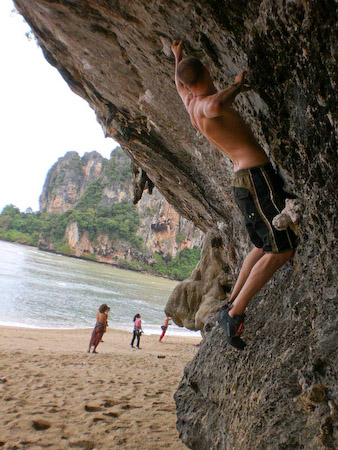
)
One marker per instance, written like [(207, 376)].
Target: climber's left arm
[(182, 90)]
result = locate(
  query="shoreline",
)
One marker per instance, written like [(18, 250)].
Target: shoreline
[(59, 395), (122, 266), (89, 328)]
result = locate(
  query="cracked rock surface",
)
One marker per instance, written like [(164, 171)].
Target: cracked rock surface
[(281, 392)]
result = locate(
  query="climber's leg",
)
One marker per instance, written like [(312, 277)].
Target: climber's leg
[(260, 273), (249, 262)]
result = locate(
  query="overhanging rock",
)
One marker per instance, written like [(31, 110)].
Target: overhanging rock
[(280, 393)]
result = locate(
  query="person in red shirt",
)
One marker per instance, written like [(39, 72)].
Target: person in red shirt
[(99, 328), (164, 327)]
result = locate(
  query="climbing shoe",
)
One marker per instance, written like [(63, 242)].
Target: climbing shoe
[(232, 327)]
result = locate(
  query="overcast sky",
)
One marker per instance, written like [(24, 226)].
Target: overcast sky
[(41, 118)]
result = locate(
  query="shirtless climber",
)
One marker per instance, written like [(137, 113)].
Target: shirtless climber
[(258, 189)]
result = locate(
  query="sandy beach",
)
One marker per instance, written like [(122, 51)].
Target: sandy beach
[(57, 396)]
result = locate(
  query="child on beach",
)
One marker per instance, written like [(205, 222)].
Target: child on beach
[(164, 327), (137, 331)]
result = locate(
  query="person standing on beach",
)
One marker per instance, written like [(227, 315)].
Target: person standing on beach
[(164, 327), (99, 328), (137, 331), (258, 189), (105, 328)]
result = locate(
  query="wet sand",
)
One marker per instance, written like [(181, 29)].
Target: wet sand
[(57, 396)]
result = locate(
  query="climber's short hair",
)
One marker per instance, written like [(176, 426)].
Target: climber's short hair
[(190, 71)]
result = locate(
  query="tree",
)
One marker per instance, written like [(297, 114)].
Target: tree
[(10, 210)]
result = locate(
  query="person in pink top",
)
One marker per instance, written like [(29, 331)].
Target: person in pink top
[(137, 331)]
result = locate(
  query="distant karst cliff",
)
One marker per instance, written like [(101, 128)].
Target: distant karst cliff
[(282, 392), (91, 184), (68, 180)]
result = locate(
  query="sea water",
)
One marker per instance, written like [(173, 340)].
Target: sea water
[(45, 290)]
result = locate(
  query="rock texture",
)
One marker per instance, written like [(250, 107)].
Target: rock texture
[(281, 393), (68, 180), (197, 298), (162, 229)]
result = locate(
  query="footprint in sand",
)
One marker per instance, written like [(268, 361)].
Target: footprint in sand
[(40, 425), (53, 410), (120, 426), (127, 406), (86, 445), (112, 414), (155, 428), (92, 408), (150, 395), (124, 398), (98, 419), (109, 403)]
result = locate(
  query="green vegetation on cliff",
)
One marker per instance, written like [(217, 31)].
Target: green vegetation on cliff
[(120, 221), (89, 190), (19, 227), (178, 268), (117, 168)]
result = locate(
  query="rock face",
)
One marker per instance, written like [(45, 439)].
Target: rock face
[(68, 180), (162, 229), (197, 298), (281, 393)]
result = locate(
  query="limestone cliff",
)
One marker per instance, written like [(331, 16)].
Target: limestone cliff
[(281, 393), (73, 180), (68, 179)]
